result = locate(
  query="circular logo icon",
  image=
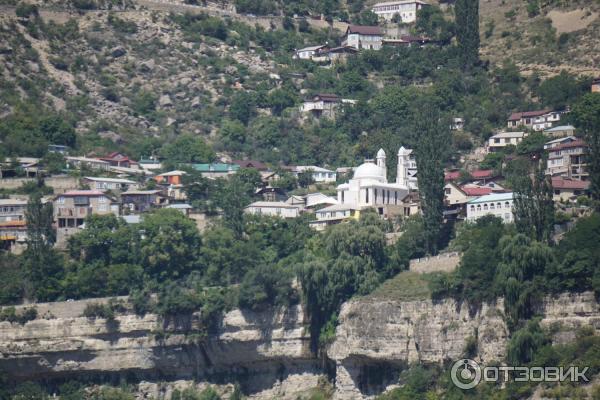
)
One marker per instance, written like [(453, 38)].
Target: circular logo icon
[(465, 374)]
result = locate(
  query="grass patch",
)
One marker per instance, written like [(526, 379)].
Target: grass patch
[(405, 286)]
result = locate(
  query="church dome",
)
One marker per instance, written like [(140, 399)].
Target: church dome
[(368, 171)]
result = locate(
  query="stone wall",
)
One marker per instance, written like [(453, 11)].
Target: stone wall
[(60, 184), (445, 262)]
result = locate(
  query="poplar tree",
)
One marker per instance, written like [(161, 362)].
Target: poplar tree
[(431, 152), (467, 31)]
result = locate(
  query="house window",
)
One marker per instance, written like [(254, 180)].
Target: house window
[(367, 196), (557, 192), (492, 206), (102, 208), (478, 207), (61, 200), (395, 197), (472, 208), (376, 195), (507, 205), (485, 207), (102, 199), (81, 200)]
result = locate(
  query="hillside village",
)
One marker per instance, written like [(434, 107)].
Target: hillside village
[(124, 187), (187, 183)]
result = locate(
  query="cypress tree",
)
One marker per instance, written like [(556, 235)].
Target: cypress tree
[(467, 31)]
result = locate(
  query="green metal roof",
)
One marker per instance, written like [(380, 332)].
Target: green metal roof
[(215, 167)]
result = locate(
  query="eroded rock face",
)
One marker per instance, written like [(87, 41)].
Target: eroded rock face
[(261, 350), (375, 340), (269, 353)]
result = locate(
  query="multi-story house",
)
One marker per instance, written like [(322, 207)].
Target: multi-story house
[(13, 228), (498, 204), (114, 184), (73, 207), (12, 210), (536, 120), (404, 10), (500, 140), (143, 200), (324, 105), (363, 37), (568, 160)]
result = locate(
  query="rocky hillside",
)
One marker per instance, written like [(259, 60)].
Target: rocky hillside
[(542, 36), (268, 353), (142, 72)]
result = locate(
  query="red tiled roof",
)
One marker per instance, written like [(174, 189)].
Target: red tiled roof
[(575, 143), (476, 191), (364, 30), (482, 173), (564, 183), (451, 175)]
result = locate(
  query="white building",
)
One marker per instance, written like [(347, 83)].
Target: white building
[(405, 9), (363, 37), (537, 120), (318, 199), (319, 175), (273, 208), (369, 186), (499, 204), (307, 53), (503, 139)]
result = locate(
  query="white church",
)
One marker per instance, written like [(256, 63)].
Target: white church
[(369, 188)]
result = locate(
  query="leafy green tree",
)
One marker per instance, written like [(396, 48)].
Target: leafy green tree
[(431, 23), (562, 90), (187, 148), (586, 117), (265, 286), (243, 107), (170, 244), (235, 195), (305, 178), (280, 99), (533, 144), (431, 153), (467, 31), (233, 134), (525, 342)]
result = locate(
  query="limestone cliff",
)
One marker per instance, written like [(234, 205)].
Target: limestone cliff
[(268, 353), (260, 350), (376, 339)]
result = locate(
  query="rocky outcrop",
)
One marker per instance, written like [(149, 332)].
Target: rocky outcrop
[(375, 340)]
